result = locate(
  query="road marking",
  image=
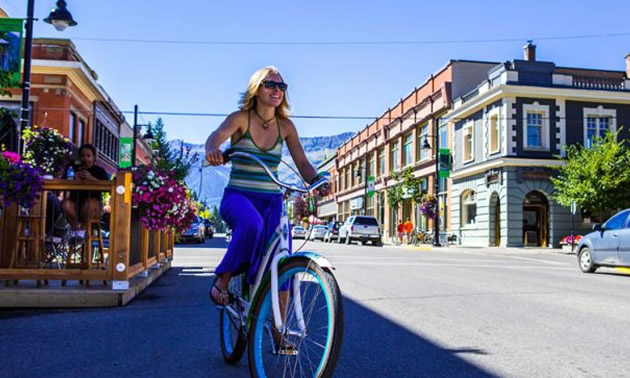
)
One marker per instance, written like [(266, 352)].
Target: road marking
[(624, 270), (463, 265)]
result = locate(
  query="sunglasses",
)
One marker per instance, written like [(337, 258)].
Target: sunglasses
[(270, 84)]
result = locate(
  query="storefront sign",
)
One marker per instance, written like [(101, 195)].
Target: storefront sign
[(356, 203), (11, 48), (493, 176), (533, 174)]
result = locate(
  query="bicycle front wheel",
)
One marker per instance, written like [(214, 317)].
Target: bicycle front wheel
[(310, 350), (233, 340)]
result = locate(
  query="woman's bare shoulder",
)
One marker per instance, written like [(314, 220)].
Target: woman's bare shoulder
[(287, 127)]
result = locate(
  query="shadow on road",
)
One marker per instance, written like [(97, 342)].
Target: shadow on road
[(172, 330)]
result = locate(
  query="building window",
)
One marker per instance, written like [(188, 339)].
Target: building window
[(597, 121), (394, 163), (469, 208), (423, 134), (371, 165), (381, 162), (536, 126), (468, 144), (71, 125), (535, 129), (407, 149), (493, 132), (443, 130), (348, 172), (81, 132), (369, 205)]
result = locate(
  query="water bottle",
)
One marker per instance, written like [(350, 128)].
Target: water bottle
[(70, 173)]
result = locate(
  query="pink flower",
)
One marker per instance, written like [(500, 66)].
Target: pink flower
[(11, 157)]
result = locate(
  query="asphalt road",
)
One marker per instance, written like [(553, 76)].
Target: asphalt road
[(409, 312)]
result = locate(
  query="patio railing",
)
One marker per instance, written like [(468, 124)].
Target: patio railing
[(38, 244)]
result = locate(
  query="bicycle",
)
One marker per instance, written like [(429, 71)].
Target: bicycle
[(292, 317)]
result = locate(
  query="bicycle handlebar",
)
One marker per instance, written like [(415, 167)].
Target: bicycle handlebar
[(230, 153)]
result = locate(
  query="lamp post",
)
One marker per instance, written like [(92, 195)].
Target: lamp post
[(148, 137), (436, 187), (60, 18), (358, 173)]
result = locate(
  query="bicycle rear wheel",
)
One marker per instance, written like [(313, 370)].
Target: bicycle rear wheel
[(233, 340), (315, 352)]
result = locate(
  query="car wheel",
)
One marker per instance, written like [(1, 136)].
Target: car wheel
[(586, 261), (377, 243)]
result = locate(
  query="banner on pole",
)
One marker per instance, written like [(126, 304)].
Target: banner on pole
[(370, 186), (444, 162), (126, 148), (11, 48)]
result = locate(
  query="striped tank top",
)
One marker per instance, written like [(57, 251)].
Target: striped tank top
[(249, 176)]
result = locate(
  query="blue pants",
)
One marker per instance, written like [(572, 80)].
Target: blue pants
[(253, 218)]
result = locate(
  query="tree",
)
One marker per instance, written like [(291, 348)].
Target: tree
[(596, 178), (406, 184), (178, 163), (300, 208)]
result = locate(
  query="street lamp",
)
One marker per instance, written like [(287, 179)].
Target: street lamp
[(148, 137), (436, 187), (358, 174), (60, 18)]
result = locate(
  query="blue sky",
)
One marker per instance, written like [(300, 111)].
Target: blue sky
[(345, 80)]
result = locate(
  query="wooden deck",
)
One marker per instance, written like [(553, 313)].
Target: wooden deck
[(86, 273), (74, 294)]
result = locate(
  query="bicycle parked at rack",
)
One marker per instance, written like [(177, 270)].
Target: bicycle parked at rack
[(291, 319)]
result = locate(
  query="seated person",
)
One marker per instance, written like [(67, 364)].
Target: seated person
[(89, 202)]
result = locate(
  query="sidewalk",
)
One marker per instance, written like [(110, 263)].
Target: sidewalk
[(464, 248)]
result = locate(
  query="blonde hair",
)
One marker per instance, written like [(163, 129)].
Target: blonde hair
[(248, 98)]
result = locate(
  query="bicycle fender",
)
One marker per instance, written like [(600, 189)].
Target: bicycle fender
[(319, 259)]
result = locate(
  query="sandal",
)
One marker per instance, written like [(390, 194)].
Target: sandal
[(223, 298)]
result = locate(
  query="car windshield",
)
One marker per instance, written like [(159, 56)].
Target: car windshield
[(299, 228)]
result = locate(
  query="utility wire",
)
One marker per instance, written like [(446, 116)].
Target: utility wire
[(322, 117), (351, 43)]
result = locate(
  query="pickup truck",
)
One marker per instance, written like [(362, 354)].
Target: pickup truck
[(363, 228)]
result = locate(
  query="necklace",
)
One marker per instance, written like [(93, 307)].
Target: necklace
[(265, 123)]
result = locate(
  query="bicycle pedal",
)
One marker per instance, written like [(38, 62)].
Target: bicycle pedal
[(288, 352)]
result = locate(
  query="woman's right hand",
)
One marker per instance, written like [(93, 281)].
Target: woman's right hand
[(215, 157)]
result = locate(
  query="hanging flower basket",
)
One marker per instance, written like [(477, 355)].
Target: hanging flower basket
[(47, 149), (162, 202), (20, 183), (428, 205)]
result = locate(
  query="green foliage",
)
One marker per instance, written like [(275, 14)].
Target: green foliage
[(167, 159), (596, 178), (300, 208), (406, 183)]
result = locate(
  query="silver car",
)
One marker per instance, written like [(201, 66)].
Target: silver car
[(607, 245), (318, 232), (298, 232)]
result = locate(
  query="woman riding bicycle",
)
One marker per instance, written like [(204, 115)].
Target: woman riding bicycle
[(251, 203)]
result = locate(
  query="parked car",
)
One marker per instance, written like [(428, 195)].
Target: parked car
[(209, 228), (332, 231), (196, 231), (318, 232), (607, 245), (298, 232), (228, 234), (361, 228)]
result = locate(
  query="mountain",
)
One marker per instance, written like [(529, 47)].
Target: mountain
[(215, 178)]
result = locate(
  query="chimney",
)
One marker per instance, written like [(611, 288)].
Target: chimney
[(530, 51), (628, 66)]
